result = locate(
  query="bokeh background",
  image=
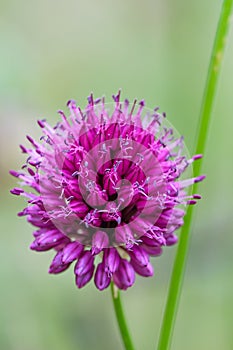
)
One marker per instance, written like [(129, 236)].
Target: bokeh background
[(51, 51)]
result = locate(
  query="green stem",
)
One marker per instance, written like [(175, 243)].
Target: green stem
[(121, 318), (205, 114)]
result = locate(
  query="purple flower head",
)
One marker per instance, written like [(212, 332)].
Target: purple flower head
[(107, 183)]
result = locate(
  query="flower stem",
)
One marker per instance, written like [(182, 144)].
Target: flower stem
[(121, 318), (205, 114)]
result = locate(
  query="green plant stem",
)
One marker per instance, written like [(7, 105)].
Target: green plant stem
[(205, 114), (121, 318)]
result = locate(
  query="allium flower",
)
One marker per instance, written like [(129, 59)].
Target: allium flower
[(107, 190)]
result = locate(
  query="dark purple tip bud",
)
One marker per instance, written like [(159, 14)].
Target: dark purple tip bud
[(84, 264), (17, 191), (197, 196), (73, 105), (191, 202), (61, 112), (57, 265), (197, 156), (199, 178), (14, 173), (69, 102), (23, 149), (102, 278), (71, 252), (31, 172), (90, 99), (97, 101), (30, 139), (23, 212), (126, 102), (142, 103), (116, 98), (41, 123)]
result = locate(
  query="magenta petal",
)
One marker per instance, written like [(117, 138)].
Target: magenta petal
[(124, 277), (47, 241), (86, 139), (100, 241), (44, 247), (56, 238), (82, 280), (102, 279), (14, 173), (152, 250), (71, 252), (17, 191), (124, 236), (171, 239), (145, 271), (154, 239), (111, 260), (108, 179), (84, 264), (79, 208), (139, 255), (57, 265), (112, 132)]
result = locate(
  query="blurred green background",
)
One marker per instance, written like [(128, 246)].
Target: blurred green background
[(51, 51)]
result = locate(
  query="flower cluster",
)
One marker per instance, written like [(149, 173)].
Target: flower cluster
[(107, 190)]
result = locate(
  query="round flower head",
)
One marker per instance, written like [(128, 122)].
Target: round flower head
[(107, 190)]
